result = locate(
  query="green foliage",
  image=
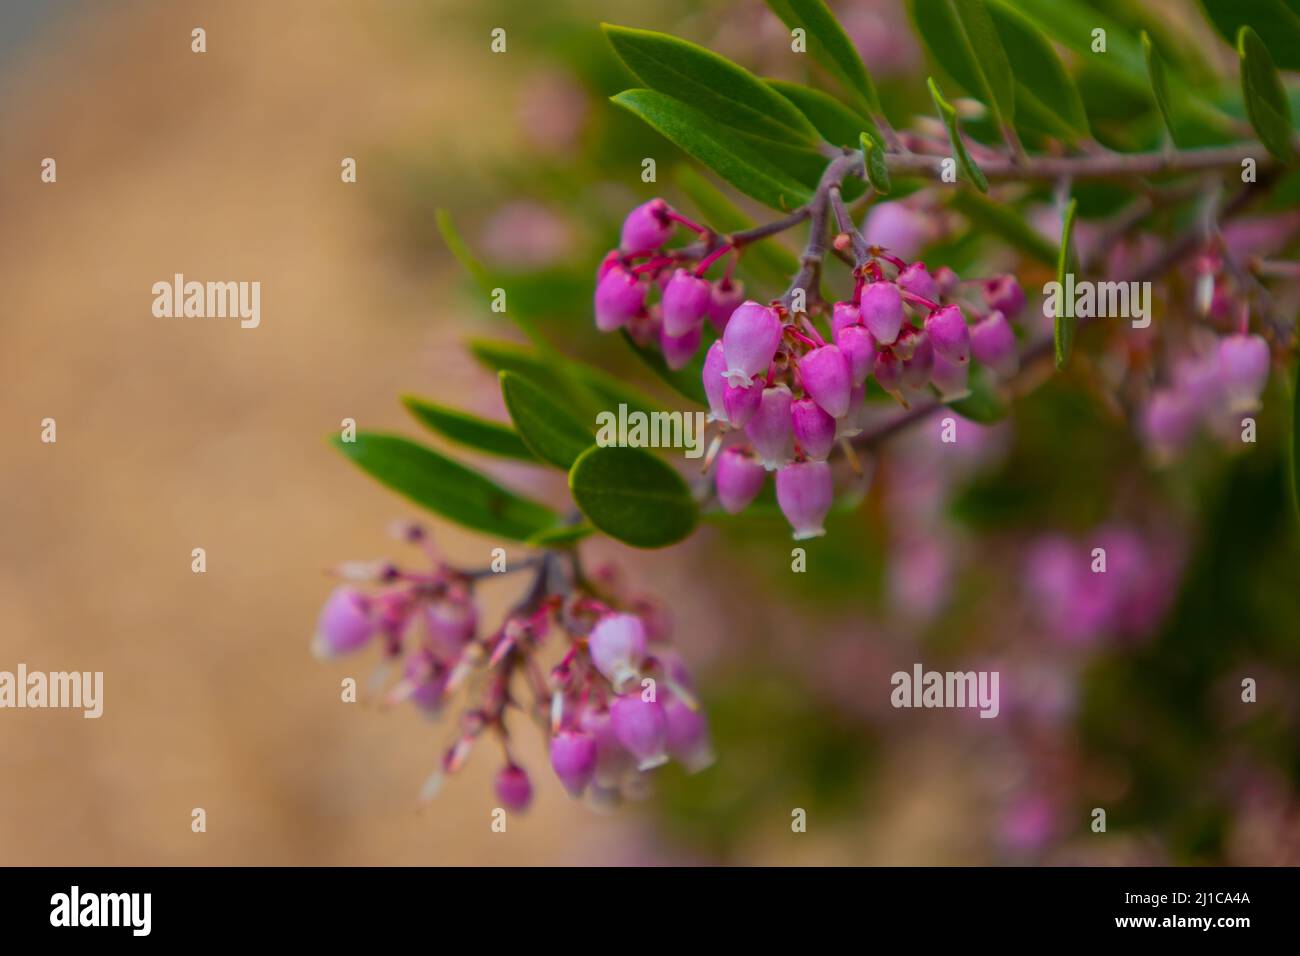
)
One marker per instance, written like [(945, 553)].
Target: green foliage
[(964, 40), (468, 430), (1064, 322), (632, 496), (831, 47), (949, 117), (550, 430), (1266, 102)]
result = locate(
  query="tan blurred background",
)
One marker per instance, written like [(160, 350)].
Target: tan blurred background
[(182, 433)]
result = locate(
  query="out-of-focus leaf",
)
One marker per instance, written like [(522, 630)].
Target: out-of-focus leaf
[(831, 47), (444, 487), (767, 259), (551, 432), (468, 430), (1266, 102), (1159, 84), (686, 381), (1006, 222), (1064, 321), (961, 36), (873, 158), (561, 536), (632, 496), (1045, 94), (837, 124), (949, 116), (985, 403), (1293, 464), (486, 282), (722, 90), (1277, 22), (716, 147)]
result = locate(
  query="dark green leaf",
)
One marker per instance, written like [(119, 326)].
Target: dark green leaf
[(1005, 222), (633, 496), (949, 116), (723, 151), (1064, 320), (1159, 85), (1046, 96), (482, 279), (767, 260), (469, 430), (446, 488), (686, 381), (561, 536), (838, 125), (985, 403), (831, 47), (963, 40), (599, 389), (548, 428), (1266, 102), (873, 157), (718, 88), (1277, 21), (1293, 464)]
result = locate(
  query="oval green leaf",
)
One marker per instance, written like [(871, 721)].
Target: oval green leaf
[(468, 430), (949, 116), (632, 496), (1046, 96), (1266, 102), (962, 38), (1064, 322), (724, 91), (549, 429), (1159, 84), (1277, 21), (445, 487), (831, 47), (873, 159), (837, 124)]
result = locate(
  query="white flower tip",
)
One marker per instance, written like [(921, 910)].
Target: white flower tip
[(649, 763), (806, 533), (738, 378)]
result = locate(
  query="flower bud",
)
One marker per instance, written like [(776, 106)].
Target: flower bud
[(619, 296), (647, 227), (641, 726), (946, 281), (882, 311), (814, 430), (993, 343), (741, 403), (750, 341), (715, 386), (617, 646), (1005, 295), (451, 623), (917, 280), (804, 491), (948, 334), (679, 349), (686, 299), (898, 227), (1243, 371), (770, 428), (824, 372), (738, 479), (889, 372), (573, 758), (725, 297), (688, 735), (612, 761), (345, 624), (513, 788), (860, 349), (424, 680), (950, 379), (918, 366), (1168, 422), (843, 315)]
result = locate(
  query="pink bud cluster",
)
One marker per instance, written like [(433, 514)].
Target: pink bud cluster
[(618, 704)]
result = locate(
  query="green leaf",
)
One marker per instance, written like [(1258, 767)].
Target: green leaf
[(451, 236), (837, 124), (723, 151), (633, 496), (962, 38), (1159, 85), (687, 381), (1046, 96), (718, 88), (1064, 321), (446, 488), (1266, 102), (1277, 21), (873, 157), (599, 389), (549, 429), (766, 259), (985, 403), (1293, 465), (831, 47), (949, 116), (1005, 222), (469, 430), (562, 536)]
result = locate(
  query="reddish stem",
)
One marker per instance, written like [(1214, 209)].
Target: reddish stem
[(711, 258)]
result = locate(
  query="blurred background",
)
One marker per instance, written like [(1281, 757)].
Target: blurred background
[(174, 435)]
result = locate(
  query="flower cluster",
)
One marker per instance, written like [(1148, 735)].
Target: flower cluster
[(791, 389), (617, 704)]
